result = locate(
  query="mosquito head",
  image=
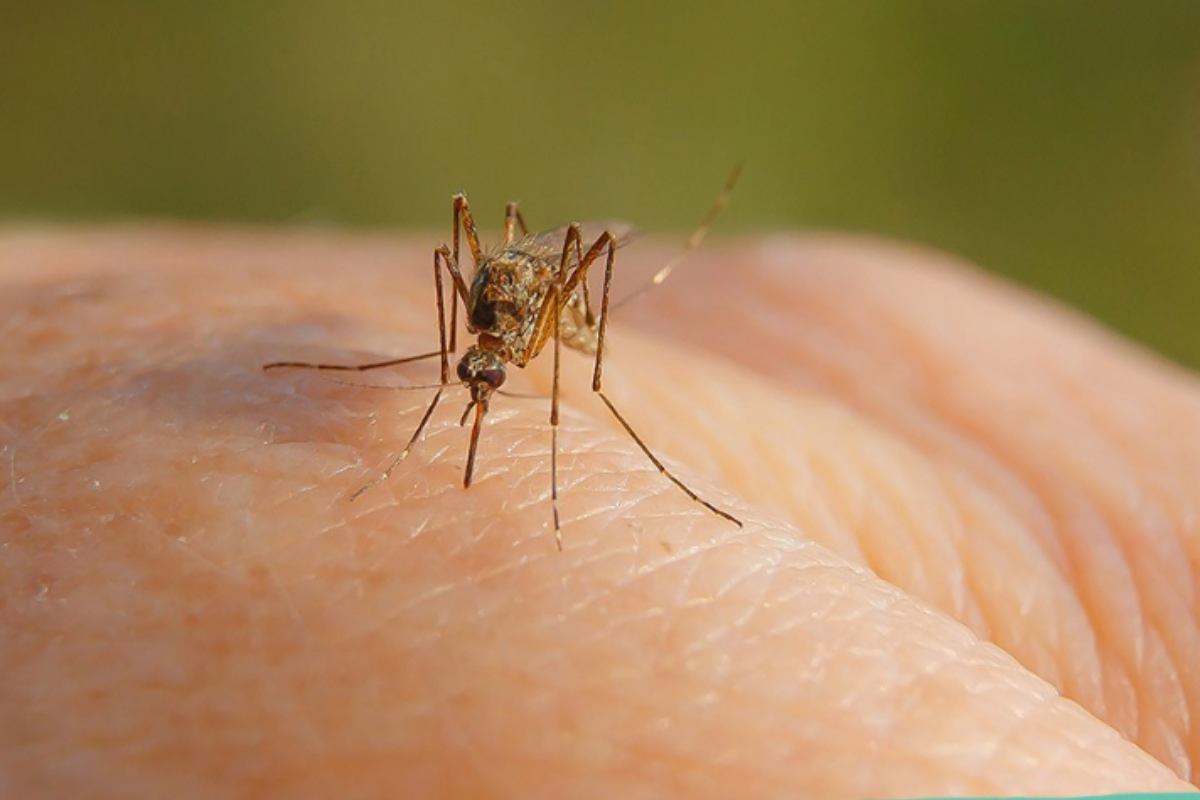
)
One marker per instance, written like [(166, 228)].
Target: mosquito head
[(482, 372)]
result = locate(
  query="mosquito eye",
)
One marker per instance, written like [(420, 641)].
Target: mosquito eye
[(493, 377), (464, 374)]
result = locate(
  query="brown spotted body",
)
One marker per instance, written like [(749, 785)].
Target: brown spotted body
[(509, 290), (528, 291)]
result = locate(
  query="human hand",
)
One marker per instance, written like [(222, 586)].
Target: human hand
[(933, 469)]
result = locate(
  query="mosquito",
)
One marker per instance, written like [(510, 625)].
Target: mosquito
[(529, 290)]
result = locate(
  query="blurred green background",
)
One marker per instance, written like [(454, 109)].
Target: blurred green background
[(1055, 142)]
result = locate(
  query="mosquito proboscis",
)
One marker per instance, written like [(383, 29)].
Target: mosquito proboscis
[(529, 290)]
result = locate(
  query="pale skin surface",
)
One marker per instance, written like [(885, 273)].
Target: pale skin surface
[(949, 489)]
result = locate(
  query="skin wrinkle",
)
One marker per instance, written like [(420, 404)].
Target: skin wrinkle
[(742, 383), (1135, 554), (1069, 577), (1105, 586), (852, 271), (1179, 593), (812, 317), (907, 526), (1168, 705), (983, 569)]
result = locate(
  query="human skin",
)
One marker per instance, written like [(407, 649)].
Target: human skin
[(968, 564)]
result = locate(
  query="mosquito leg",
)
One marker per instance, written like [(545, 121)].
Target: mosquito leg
[(662, 467), (462, 212), (394, 362), (441, 315), (693, 241), (462, 215), (383, 476), (589, 317), (557, 304), (548, 322), (350, 367), (513, 220), (572, 239), (605, 239), (548, 314), (598, 389), (458, 293), (608, 273)]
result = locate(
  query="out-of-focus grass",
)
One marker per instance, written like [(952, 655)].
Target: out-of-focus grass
[(1057, 142)]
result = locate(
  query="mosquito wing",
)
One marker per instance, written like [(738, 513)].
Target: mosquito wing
[(550, 242)]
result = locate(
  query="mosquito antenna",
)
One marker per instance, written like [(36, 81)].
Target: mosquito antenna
[(692, 242)]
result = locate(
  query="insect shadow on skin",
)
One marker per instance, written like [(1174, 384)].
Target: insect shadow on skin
[(523, 293)]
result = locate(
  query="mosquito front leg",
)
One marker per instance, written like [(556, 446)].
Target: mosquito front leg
[(392, 362), (462, 214), (416, 436), (441, 313), (383, 476), (513, 219), (598, 389), (460, 293)]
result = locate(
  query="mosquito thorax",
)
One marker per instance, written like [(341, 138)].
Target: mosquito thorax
[(481, 370)]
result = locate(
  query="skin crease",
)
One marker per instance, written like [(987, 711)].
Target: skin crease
[(968, 564)]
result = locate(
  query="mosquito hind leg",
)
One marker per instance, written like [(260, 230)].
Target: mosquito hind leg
[(597, 387)]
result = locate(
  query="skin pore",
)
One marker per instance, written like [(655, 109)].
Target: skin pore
[(972, 534)]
